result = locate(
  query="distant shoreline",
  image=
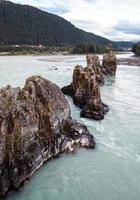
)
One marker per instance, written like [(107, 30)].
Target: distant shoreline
[(132, 61), (32, 54), (27, 53)]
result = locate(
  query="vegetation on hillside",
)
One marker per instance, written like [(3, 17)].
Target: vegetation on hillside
[(123, 45), (83, 48), (136, 48), (89, 48), (23, 24), (35, 50)]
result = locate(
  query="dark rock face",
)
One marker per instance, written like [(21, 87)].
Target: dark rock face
[(109, 64), (35, 126), (86, 93)]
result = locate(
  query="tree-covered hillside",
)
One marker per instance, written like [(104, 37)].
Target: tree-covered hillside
[(136, 49), (23, 24), (121, 45)]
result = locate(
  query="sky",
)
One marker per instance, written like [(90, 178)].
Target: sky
[(114, 19)]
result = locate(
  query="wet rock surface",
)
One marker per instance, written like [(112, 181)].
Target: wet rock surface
[(35, 126), (109, 64)]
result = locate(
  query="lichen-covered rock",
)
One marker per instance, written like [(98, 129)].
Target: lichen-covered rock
[(35, 126), (86, 93), (109, 64), (94, 62)]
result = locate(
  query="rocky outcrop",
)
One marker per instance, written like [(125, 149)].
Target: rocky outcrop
[(35, 126), (109, 64), (86, 93), (94, 62), (85, 85), (133, 61)]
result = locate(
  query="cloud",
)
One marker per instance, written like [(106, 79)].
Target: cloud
[(128, 27), (86, 24), (55, 10), (109, 18), (125, 30)]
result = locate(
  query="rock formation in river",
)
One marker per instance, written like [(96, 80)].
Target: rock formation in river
[(85, 85), (86, 93), (35, 126), (109, 64), (94, 62)]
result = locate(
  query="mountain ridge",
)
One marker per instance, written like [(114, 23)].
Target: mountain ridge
[(24, 24)]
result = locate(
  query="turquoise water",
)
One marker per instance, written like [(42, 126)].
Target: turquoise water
[(112, 170)]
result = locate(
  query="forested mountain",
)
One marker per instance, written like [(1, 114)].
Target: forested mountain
[(123, 44), (23, 24)]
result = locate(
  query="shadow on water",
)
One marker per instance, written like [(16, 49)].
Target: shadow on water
[(110, 81)]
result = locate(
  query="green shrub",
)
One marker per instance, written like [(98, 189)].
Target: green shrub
[(89, 48)]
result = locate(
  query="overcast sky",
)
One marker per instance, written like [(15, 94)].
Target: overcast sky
[(114, 19)]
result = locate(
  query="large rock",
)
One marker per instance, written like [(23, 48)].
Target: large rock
[(85, 85), (107, 68), (109, 64), (94, 62), (86, 93), (35, 126)]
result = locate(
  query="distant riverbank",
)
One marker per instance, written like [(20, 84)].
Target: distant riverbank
[(33, 53), (46, 53), (133, 61)]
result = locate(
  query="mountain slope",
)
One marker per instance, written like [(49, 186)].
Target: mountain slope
[(23, 24), (123, 44)]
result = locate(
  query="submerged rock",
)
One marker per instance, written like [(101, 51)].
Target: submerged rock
[(109, 64), (86, 93), (35, 126)]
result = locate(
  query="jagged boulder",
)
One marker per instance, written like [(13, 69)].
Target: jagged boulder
[(109, 64), (35, 126), (94, 62), (86, 93)]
